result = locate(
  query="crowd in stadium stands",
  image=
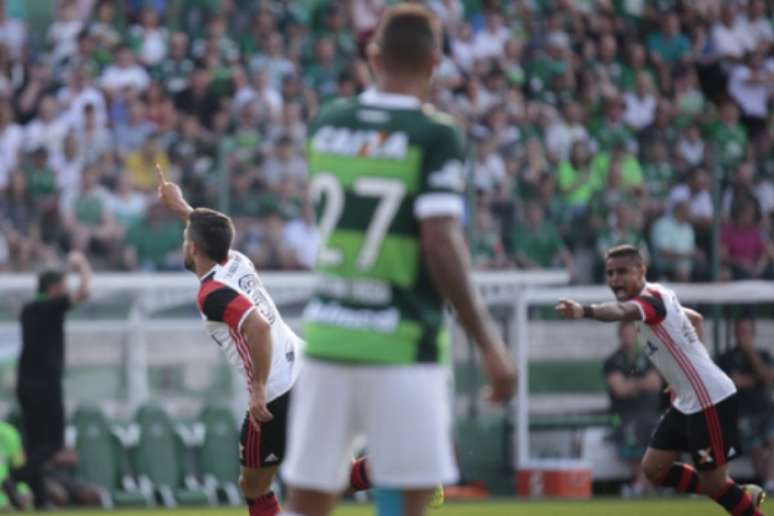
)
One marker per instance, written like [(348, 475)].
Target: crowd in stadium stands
[(591, 123)]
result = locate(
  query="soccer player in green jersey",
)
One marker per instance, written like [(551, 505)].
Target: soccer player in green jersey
[(387, 177)]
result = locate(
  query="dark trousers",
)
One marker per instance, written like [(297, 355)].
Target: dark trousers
[(44, 424)]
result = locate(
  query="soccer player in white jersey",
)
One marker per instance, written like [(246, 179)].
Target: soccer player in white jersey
[(703, 417), (243, 320)]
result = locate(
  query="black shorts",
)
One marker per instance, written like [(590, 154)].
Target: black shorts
[(710, 436), (265, 446)]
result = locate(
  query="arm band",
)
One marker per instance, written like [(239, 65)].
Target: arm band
[(588, 312)]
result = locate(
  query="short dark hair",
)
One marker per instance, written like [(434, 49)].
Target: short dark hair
[(624, 251), (48, 278), (408, 36), (212, 231)]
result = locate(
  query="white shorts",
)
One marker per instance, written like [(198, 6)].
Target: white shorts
[(402, 411)]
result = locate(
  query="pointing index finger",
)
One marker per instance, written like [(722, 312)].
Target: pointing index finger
[(160, 175)]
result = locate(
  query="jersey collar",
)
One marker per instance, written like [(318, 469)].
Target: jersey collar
[(376, 98), (209, 274)]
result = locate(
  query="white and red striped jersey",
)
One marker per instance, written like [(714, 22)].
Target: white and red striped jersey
[(678, 354), (228, 293)]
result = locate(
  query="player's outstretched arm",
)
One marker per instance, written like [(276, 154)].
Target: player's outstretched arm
[(605, 312), (80, 264), (257, 331), (171, 196), (443, 249)]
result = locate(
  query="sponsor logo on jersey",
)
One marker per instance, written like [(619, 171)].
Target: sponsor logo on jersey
[(271, 458), (370, 144), (384, 321), (705, 456), (251, 285)]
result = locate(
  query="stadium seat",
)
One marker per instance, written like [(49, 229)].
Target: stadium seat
[(219, 458), (159, 459), (100, 455)]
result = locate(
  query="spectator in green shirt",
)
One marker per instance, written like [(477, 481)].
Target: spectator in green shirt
[(728, 137), (152, 243), (486, 246), (577, 182), (536, 244), (87, 217)]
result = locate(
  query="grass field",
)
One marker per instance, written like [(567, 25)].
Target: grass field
[(612, 507)]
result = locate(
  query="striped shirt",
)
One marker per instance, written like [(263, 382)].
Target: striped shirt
[(676, 351), (228, 293)]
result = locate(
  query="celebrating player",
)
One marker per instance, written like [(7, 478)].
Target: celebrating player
[(703, 416), (387, 175), (242, 318)]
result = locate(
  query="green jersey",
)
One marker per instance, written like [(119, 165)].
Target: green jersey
[(378, 165)]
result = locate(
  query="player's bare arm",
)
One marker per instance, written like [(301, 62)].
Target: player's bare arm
[(78, 262), (651, 382), (257, 331), (621, 386), (444, 252), (171, 196), (605, 312), (697, 321)]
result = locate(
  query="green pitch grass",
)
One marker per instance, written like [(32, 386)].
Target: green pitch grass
[(611, 507)]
